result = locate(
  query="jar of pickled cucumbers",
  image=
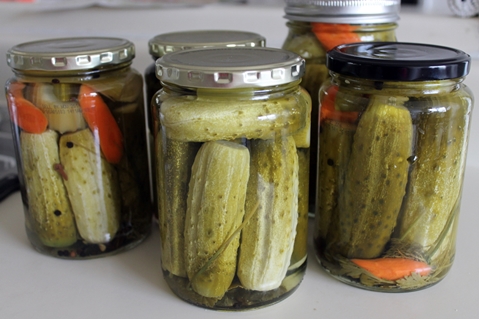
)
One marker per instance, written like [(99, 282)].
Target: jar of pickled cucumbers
[(183, 40), (232, 159), (315, 27), (78, 123), (394, 125)]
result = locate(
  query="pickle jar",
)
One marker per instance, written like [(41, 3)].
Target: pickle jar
[(183, 40), (315, 27), (232, 151), (394, 125), (78, 124)]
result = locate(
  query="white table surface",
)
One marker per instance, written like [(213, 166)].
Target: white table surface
[(130, 285)]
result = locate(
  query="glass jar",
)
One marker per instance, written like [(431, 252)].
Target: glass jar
[(394, 125), (184, 40), (232, 152), (315, 27), (78, 124)]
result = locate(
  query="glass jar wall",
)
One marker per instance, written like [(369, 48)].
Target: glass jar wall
[(78, 125), (232, 154), (394, 124)]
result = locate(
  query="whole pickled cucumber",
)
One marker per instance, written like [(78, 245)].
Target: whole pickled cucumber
[(215, 210), (375, 180), (50, 210), (202, 120), (436, 177), (175, 160), (267, 240), (335, 140), (93, 187)]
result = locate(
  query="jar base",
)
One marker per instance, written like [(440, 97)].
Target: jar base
[(371, 283), (123, 241), (237, 298)]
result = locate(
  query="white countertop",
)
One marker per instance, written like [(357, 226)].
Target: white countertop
[(130, 285)]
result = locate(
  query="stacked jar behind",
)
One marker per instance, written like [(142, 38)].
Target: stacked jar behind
[(78, 124), (316, 27), (232, 151), (394, 125)]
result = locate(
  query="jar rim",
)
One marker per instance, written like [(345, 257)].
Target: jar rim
[(183, 40), (67, 54), (343, 11), (398, 61), (230, 67)]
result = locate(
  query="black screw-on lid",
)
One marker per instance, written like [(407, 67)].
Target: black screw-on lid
[(397, 61)]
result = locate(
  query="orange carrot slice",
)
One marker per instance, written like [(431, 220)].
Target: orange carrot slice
[(332, 34), (393, 268), (328, 110), (23, 113), (101, 123)]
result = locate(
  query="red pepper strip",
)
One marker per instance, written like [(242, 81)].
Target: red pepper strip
[(331, 35), (23, 113), (328, 109), (393, 268), (101, 123)]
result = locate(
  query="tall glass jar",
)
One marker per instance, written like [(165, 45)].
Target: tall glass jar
[(78, 124), (232, 152), (394, 125), (316, 27)]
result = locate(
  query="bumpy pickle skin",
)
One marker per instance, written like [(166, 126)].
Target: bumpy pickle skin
[(376, 177), (93, 187), (202, 120), (435, 181), (335, 140), (175, 160), (215, 210), (267, 240), (50, 210)]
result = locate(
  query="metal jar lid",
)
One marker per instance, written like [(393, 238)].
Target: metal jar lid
[(230, 67), (184, 40), (66, 54), (343, 11), (398, 61)]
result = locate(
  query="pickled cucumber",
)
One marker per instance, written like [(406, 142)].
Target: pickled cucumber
[(93, 187), (376, 176), (267, 239), (335, 140), (173, 175), (215, 210), (203, 120), (50, 210), (436, 177)]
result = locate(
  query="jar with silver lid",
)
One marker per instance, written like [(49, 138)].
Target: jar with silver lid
[(394, 126), (232, 159), (317, 26), (183, 40), (78, 123)]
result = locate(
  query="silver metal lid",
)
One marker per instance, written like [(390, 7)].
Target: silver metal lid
[(65, 54), (178, 41), (343, 11), (230, 67)]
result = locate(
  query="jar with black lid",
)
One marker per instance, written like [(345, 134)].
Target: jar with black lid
[(394, 125), (78, 124), (315, 27), (232, 159)]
